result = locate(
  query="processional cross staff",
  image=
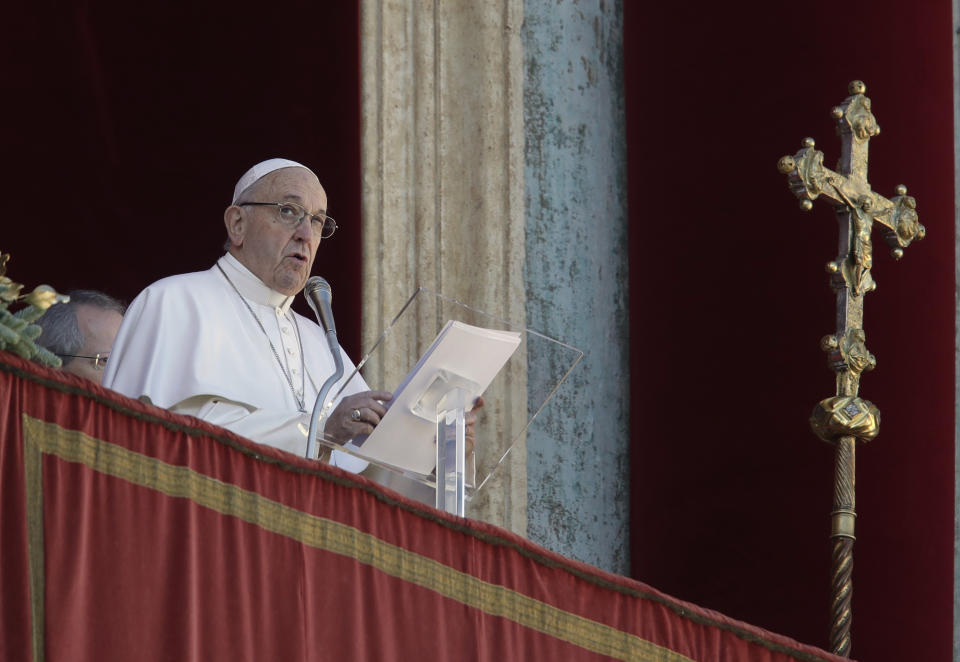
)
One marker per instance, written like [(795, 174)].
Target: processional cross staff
[(846, 418)]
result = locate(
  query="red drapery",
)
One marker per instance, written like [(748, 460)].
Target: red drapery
[(132, 533)]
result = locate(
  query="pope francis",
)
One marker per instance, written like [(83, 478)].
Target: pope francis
[(224, 345)]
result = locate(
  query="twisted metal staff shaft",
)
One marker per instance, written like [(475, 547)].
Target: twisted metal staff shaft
[(842, 527)]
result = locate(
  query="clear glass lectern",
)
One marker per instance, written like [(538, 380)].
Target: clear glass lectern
[(437, 356)]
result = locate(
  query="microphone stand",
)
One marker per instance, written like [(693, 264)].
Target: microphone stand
[(318, 406), (318, 295)]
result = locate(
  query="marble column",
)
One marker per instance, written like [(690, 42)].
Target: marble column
[(576, 275), (442, 181)]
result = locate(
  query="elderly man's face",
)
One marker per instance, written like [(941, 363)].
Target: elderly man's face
[(99, 327), (281, 257)]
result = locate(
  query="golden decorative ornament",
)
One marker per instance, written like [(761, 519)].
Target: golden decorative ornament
[(845, 416), (44, 296), (17, 330), (786, 164)]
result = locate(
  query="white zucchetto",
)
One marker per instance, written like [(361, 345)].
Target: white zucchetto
[(251, 176)]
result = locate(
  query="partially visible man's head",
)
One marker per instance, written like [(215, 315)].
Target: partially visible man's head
[(81, 332), (279, 255)]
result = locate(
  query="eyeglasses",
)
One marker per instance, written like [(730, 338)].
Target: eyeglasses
[(99, 360), (291, 214)]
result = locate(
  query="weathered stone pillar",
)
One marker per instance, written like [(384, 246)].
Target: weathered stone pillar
[(576, 275), (442, 154), (494, 171)]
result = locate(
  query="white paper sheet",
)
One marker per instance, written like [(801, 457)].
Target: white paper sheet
[(461, 354)]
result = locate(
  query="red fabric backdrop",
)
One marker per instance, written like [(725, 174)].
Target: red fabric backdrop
[(130, 123), (132, 533), (731, 492)]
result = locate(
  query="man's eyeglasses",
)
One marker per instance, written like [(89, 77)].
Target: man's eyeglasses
[(99, 360), (291, 214)]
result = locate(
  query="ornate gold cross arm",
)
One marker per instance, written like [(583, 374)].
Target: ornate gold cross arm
[(808, 178)]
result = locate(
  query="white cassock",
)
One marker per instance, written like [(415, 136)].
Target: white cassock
[(190, 344)]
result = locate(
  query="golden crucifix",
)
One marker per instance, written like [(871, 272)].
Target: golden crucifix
[(846, 418)]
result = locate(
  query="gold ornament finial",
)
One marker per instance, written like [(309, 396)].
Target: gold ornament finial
[(44, 296), (786, 165), (808, 142), (901, 190), (806, 205), (845, 416), (857, 87)]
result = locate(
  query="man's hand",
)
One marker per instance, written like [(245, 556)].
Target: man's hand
[(360, 413), (356, 414), (471, 428)]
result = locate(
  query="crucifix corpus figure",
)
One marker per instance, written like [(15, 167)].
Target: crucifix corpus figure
[(845, 418)]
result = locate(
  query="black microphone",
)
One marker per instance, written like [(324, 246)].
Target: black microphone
[(319, 296)]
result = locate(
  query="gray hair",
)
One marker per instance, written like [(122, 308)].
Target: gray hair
[(252, 192), (61, 332)]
